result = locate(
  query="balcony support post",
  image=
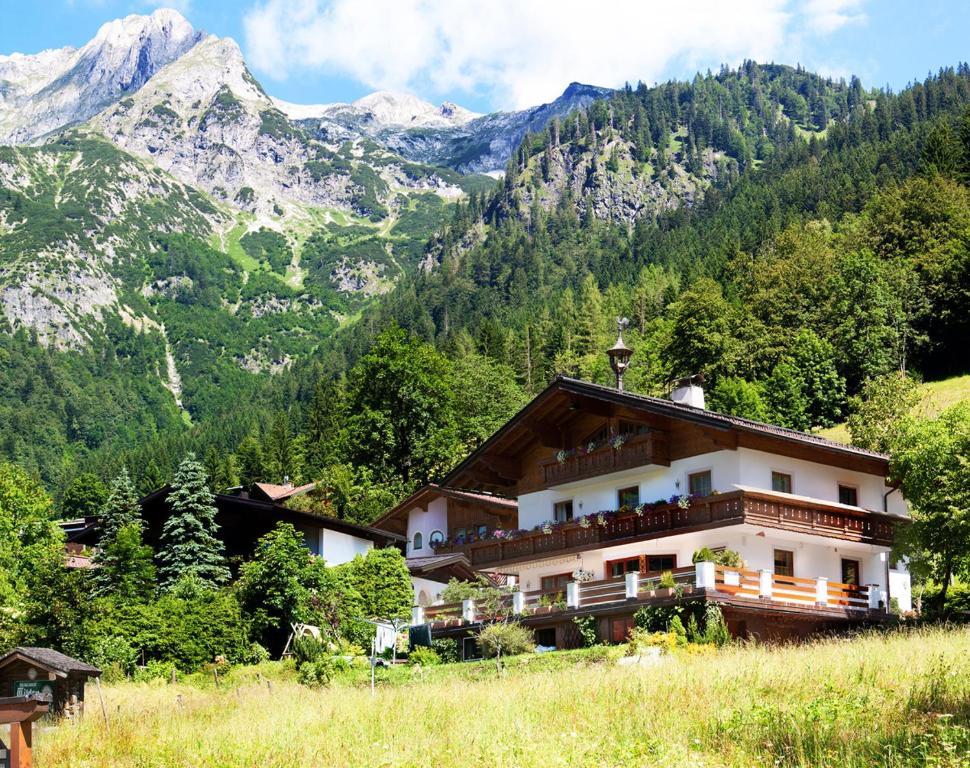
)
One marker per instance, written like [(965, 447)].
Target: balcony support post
[(468, 611), (417, 615), (822, 590), (572, 594), (875, 597), (765, 584), (704, 575), (518, 603), (632, 584)]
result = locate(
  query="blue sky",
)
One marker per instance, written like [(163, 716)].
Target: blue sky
[(507, 54)]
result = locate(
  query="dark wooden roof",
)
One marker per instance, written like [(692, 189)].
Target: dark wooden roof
[(556, 406), (442, 567), (274, 511), (49, 659), (423, 496)]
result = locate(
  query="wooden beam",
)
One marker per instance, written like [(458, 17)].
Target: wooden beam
[(548, 437), (503, 465), (591, 405)]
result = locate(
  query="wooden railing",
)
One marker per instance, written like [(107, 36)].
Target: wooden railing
[(654, 521), (636, 451), (741, 583)]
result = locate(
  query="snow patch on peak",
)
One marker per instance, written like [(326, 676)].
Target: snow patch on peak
[(384, 108), (55, 89)]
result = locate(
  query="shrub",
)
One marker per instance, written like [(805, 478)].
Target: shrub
[(641, 639), (448, 649), (114, 655), (725, 557), (715, 629), (505, 639), (957, 601), (156, 670), (424, 657), (316, 673), (587, 629), (308, 650), (677, 627)]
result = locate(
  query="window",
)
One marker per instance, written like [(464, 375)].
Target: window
[(436, 537), (848, 495), (628, 497), (656, 563), (699, 483), (418, 541), (784, 562), (556, 582), (628, 428), (642, 563), (780, 482), (545, 637), (460, 535), (851, 572), (562, 511), (617, 568), (482, 531)]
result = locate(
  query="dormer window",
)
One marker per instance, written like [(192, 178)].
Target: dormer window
[(418, 541)]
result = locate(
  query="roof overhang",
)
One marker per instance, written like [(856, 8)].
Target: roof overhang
[(564, 395)]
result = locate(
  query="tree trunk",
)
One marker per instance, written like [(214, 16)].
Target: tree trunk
[(947, 575)]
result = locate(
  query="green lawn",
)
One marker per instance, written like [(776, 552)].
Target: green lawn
[(897, 699)]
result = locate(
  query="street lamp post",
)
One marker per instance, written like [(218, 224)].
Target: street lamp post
[(620, 353)]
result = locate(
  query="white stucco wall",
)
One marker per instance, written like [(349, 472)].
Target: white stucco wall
[(434, 518), (818, 481), (599, 494), (729, 469), (337, 547), (426, 591)]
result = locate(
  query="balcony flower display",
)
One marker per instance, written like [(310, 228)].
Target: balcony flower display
[(584, 522), (582, 576), (600, 518), (617, 442), (546, 528)]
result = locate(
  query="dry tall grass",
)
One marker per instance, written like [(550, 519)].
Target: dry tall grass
[(897, 700)]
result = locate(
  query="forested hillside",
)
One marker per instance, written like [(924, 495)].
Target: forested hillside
[(786, 235)]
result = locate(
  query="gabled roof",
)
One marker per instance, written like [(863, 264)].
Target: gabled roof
[(281, 492), (442, 567), (280, 512), (51, 660), (424, 495), (563, 388)]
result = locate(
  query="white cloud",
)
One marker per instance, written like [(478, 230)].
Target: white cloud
[(827, 16), (523, 52)]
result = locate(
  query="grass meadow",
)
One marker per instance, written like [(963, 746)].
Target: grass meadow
[(895, 699)]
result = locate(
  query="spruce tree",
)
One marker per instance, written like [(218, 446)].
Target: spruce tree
[(124, 562), (189, 546)]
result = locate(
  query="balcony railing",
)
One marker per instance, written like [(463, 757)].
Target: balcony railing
[(653, 521), (760, 587), (636, 451)]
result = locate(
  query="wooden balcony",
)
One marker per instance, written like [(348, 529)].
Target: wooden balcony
[(637, 451), (732, 508), (738, 587)]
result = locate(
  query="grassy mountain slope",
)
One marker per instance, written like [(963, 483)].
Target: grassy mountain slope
[(935, 397)]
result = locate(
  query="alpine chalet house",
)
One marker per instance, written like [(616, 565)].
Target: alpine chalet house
[(613, 491)]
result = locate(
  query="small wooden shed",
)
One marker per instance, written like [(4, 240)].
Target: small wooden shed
[(25, 671)]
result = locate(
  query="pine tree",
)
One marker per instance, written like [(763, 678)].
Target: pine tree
[(189, 546), (124, 562)]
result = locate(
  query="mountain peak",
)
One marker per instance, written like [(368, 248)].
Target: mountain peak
[(165, 22)]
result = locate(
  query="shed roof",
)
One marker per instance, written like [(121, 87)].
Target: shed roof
[(49, 659)]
